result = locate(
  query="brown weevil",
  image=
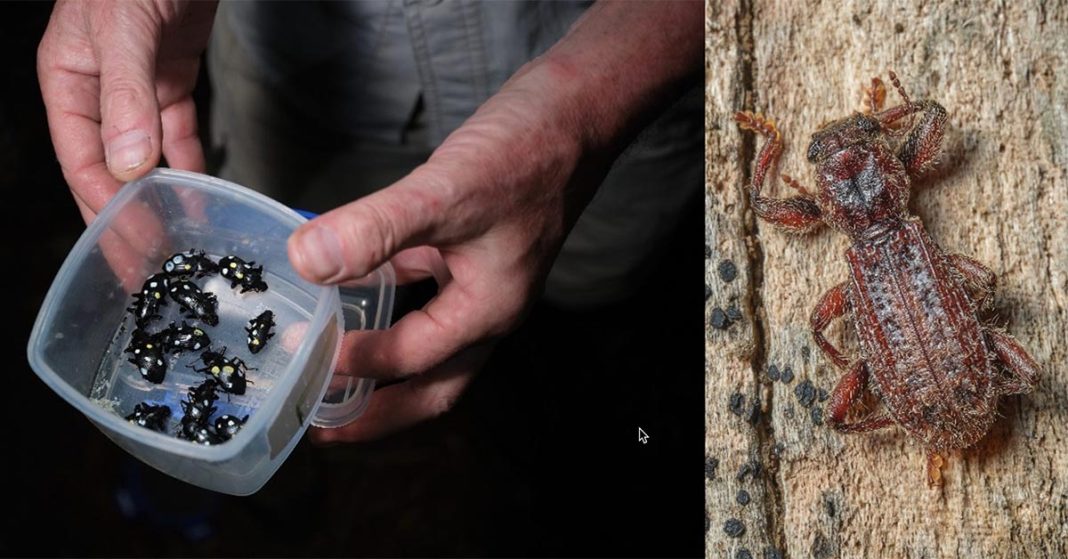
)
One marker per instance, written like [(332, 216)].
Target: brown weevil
[(924, 352)]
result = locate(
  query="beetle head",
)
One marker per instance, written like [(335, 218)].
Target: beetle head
[(862, 183), (841, 134)]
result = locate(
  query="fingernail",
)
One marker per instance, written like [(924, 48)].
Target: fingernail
[(320, 253), (128, 151)]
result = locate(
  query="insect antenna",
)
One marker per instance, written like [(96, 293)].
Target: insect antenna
[(899, 88)]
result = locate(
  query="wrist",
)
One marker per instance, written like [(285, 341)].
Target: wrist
[(619, 66)]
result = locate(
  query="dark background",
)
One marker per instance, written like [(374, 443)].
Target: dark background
[(540, 457)]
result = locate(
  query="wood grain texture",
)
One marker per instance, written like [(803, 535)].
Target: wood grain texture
[(999, 195)]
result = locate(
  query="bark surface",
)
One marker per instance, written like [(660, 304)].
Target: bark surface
[(999, 194)]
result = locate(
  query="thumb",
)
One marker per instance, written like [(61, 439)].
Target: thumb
[(127, 40), (351, 241)]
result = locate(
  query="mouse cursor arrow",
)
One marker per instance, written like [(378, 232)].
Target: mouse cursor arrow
[(643, 437)]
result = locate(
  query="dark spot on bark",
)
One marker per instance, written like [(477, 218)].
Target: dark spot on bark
[(737, 404), (898, 28), (817, 416), (805, 353), (822, 395), (708, 252), (734, 528), (778, 449), (788, 412), (856, 19), (788, 375), (708, 292), (742, 497), (710, 467), (821, 548), (754, 414), (727, 271), (806, 393), (828, 504), (734, 314), (1001, 148), (743, 553), (719, 319), (773, 373), (749, 469), (772, 553)]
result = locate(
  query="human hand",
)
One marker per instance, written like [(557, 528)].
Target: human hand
[(487, 214), (117, 80), (485, 217)]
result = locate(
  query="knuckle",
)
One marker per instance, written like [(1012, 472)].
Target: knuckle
[(123, 102), (122, 91), (438, 402), (367, 238), (441, 404)]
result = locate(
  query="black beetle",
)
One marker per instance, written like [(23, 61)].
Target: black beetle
[(147, 356), (259, 331), (150, 416), (194, 302), (147, 303), (241, 273), (184, 338), (190, 263), (230, 373), (227, 426)]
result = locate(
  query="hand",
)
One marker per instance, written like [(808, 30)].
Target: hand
[(117, 78), (487, 214)]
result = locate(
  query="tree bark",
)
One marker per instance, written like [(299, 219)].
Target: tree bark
[(999, 195)]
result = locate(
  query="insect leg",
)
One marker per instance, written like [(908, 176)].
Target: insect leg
[(924, 141), (978, 279), (874, 96), (832, 305), (797, 214), (850, 388), (935, 462), (1015, 358)]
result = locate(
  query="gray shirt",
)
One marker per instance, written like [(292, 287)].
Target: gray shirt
[(346, 97)]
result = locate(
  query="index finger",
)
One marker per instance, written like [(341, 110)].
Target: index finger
[(456, 319), (72, 104)]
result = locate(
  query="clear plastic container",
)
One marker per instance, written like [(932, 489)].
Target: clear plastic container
[(78, 341)]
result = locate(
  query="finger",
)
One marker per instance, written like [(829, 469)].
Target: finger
[(414, 264), (424, 338), (183, 150), (87, 213), (127, 40), (405, 404), (181, 142), (72, 105), (351, 241), (126, 261), (121, 257)]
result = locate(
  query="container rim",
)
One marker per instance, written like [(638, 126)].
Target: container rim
[(113, 421)]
